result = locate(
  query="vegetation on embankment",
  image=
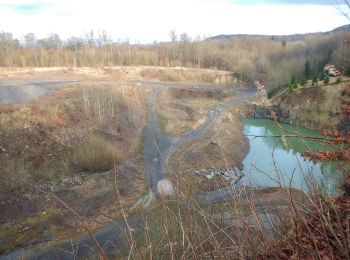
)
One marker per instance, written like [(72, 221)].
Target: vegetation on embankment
[(146, 73), (316, 107), (80, 143), (256, 224), (181, 111)]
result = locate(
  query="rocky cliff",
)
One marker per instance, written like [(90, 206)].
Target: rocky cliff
[(315, 107)]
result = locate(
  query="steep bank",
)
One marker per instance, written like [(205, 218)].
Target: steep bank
[(314, 107)]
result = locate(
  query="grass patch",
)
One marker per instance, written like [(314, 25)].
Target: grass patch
[(141, 144), (13, 235), (163, 122), (96, 154), (12, 175)]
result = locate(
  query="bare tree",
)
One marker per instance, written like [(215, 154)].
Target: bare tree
[(184, 37), (90, 38), (7, 46), (29, 39), (173, 36)]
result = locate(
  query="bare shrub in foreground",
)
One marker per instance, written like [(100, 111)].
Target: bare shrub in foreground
[(96, 154)]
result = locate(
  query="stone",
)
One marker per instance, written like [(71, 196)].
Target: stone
[(165, 188)]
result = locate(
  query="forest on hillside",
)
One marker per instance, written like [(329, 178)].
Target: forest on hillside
[(276, 63)]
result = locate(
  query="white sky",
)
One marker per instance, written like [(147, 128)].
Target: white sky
[(148, 20)]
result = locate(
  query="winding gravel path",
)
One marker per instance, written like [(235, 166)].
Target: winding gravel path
[(159, 147)]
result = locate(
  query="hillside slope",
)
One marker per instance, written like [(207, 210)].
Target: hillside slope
[(314, 107), (292, 37)]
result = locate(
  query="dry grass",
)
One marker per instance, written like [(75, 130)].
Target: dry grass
[(179, 75), (37, 139), (40, 141), (317, 108), (117, 73), (251, 57), (254, 224), (96, 154), (182, 111), (181, 229)]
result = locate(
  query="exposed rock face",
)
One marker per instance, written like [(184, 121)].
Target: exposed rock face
[(273, 112), (316, 108), (288, 115), (332, 71)]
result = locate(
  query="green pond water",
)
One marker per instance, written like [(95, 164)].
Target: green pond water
[(277, 161)]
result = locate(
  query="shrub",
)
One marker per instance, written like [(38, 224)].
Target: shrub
[(314, 81), (307, 70), (303, 82), (12, 175), (269, 94), (347, 71), (292, 87), (326, 80), (338, 80), (322, 77), (96, 154)]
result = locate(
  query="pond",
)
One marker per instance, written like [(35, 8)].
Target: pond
[(275, 160)]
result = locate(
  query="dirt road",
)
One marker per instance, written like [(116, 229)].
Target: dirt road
[(20, 91), (159, 147)]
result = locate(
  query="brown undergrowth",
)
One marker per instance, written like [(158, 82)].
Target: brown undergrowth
[(62, 143)]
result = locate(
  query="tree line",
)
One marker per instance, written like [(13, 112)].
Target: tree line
[(276, 63)]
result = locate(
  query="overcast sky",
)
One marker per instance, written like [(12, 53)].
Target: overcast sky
[(148, 20)]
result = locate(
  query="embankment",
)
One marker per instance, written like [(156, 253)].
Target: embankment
[(315, 107)]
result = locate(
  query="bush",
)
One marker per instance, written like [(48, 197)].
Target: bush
[(314, 81), (292, 87), (12, 175), (303, 82), (270, 94), (347, 71), (338, 80), (96, 154)]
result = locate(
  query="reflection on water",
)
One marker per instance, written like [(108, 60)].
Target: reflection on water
[(276, 161)]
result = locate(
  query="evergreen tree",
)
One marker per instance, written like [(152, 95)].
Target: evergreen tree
[(293, 80), (314, 81), (307, 70), (321, 77), (303, 81), (326, 80)]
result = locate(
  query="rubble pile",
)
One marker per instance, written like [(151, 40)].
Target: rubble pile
[(232, 175)]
